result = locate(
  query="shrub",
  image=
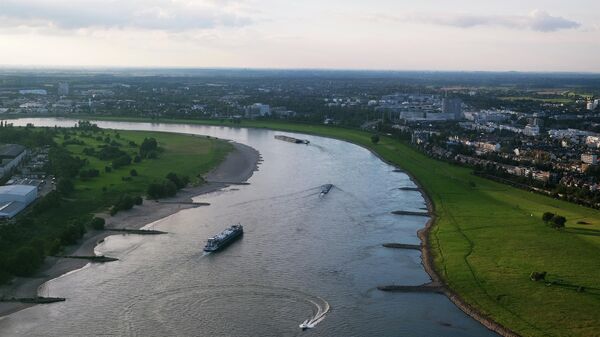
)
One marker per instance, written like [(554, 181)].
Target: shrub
[(133, 173), (87, 174), (65, 186), (375, 139), (180, 182), (538, 276), (50, 201), (124, 203), (98, 223), (148, 145), (547, 216), (26, 261), (137, 159), (162, 190), (138, 200), (558, 222), (123, 160), (107, 169)]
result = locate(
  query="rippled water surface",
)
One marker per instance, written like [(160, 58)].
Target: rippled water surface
[(300, 254)]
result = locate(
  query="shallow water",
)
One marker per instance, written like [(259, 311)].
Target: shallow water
[(300, 254)]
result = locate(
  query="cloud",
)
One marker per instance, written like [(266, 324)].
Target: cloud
[(537, 20), (166, 15)]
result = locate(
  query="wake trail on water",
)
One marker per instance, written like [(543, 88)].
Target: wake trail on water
[(281, 196), (323, 309)]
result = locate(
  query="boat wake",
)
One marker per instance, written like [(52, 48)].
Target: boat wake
[(321, 311)]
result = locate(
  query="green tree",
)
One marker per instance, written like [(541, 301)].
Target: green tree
[(375, 138), (547, 216), (558, 222)]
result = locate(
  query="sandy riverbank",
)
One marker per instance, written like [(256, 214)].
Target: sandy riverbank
[(237, 167)]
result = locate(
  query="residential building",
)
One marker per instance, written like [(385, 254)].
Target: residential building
[(531, 130), (257, 110), (63, 89), (589, 158), (452, 106)]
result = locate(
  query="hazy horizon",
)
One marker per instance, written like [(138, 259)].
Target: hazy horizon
[(383, 35)]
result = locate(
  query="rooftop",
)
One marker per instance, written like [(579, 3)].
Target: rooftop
[(11, 150), (17, 189)]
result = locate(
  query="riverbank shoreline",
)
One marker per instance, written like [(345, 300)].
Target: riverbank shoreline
[(424, 235), (238, 167)]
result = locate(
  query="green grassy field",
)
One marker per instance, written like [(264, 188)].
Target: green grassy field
[(183, 154), (489, 237)]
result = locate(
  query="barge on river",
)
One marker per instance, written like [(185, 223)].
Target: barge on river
[(291, 139), (224, 238)]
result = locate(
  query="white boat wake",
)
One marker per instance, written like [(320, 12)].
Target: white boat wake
[(322, 310)]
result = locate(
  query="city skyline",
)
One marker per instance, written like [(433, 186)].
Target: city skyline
[(382, 35)]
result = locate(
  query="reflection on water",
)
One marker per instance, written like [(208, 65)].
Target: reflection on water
[(300, 254)]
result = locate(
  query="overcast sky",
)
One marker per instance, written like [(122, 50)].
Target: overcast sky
[(531, 35)]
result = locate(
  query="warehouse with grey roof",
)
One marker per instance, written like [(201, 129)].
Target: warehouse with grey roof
[(14, 198)]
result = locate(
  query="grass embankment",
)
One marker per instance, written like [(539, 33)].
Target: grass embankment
[(182, 154), (488, 237)]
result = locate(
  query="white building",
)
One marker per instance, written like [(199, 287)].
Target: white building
[(589, 158), (63, 89), (531, 130), (14, 198), (593, 141), (589, 106), (258, 110)]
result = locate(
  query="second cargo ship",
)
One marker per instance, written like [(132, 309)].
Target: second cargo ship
[(292, 139)]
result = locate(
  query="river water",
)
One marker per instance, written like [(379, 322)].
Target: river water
[(300, 255)]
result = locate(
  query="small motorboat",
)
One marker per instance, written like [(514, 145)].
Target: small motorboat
[(325, 189), (306, 325)]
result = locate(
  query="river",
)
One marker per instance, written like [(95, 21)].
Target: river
[(300, 255)]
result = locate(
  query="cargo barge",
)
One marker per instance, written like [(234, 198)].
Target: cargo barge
[(292, 139), (224, 238)]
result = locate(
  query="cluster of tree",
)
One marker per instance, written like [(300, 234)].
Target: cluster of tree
[(63, 164), (124, 203), (167, 188), (48, 202), (86, 126), (121, 161), (25, 243), (108, 152), (28, 137), (161, 190), (97, 223), (89, 173), (180, 182), (554, 220), (73, 142), (149, 148)]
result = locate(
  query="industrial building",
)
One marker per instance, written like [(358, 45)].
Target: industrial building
[(14, 198), (11, 156)]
